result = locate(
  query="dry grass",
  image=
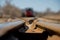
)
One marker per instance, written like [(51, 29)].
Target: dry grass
[(53, 17)]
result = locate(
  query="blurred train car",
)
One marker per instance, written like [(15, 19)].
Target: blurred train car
[(28, 13)]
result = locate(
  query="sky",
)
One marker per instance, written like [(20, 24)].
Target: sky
[(37, 5)]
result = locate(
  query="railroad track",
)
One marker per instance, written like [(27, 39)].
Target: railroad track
[(42, 22)]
